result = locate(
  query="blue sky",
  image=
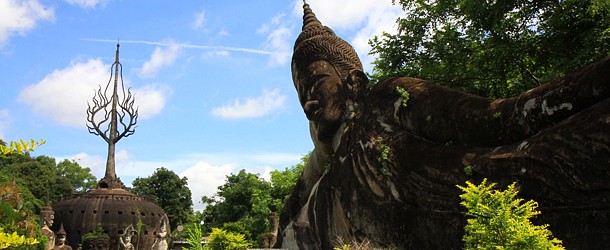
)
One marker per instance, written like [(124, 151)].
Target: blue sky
[(211, 79)]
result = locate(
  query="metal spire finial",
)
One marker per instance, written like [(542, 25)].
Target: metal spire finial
[(107, 114)]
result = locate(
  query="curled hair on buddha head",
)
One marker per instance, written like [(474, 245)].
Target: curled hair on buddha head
[(318, 42)]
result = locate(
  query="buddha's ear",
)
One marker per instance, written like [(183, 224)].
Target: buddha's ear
[(357, 81)]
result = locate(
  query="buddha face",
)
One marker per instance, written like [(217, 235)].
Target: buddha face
[(61, 240), (322, 97), (48, 217)]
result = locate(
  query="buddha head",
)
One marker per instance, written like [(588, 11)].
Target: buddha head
[(324, 69), (61, 236)]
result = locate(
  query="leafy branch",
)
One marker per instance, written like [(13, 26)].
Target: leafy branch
[(20, 147)]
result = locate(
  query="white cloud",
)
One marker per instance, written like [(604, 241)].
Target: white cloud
[(204, 179), (278, 40), (199, 20), (4, 122), (223, 32), (268, 102), (87, 4), (161, 57), (96, 163), (207, 174), (151, 99), (63, 94), (367, 18), (274, 158), (20, 16)]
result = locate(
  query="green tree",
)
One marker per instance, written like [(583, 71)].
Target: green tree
[(493, 48), (41, 175), (79, 177), (500, 220), (282, 182), (243, 199), (19, 227), (245, 202), (38, 176), (169, 191)]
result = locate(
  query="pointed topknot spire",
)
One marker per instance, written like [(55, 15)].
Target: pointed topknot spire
[(61, 231), (309, 18)]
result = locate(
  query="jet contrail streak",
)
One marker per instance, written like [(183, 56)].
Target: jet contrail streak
[(183, 45)]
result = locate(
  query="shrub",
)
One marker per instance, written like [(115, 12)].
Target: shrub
[(220, 239), (500, 220)]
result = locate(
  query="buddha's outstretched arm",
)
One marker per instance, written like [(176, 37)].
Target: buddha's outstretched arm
[(449, 116)]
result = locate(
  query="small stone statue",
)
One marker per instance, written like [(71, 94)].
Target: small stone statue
[(125, 239), (161, 240), (47, 215), (61, 240), (100, 243)]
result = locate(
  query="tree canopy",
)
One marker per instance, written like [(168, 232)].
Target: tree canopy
[(493, 48), (80, 178), (19, 224), (169, 191), (245, 202), (41, 175)]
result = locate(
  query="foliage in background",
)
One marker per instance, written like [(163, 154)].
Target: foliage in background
[(169, 191), (19, 147), (245, 202), (79, 177), (221, 239), (194, 235), (96, 234), (493, 48), (19, 226), (499, 220), (342, 244), (243, 199), (42, 175), (14, 240)]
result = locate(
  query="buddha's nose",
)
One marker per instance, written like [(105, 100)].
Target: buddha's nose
[(311, 109)]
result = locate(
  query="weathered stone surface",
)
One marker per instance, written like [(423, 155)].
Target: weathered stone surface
[(114, 209), (388, 173)]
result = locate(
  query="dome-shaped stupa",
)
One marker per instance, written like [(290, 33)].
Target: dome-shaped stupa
[(114, 210), (110, 212)]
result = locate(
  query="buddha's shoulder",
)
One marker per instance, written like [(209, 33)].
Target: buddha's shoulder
[(405, 82), (390, 85)]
